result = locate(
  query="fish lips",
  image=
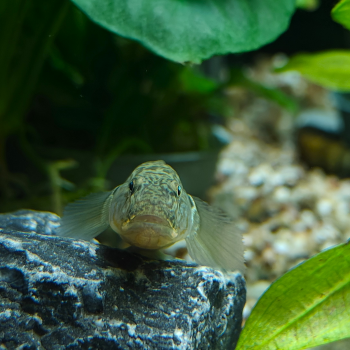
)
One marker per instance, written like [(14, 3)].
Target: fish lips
[(148, 232)]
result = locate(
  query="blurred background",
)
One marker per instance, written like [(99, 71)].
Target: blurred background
[(81, 107)]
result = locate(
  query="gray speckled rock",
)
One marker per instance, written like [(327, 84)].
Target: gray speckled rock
[(57, 293)]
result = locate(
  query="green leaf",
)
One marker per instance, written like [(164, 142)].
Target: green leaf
[(341, 13), (193, 30), (308, 5), (306, 307), (193, 81), (330, 69)]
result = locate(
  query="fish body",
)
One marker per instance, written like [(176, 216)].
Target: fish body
[(152, 210)]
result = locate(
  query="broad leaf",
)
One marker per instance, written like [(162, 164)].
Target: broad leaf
[(306, 307), (330, 69), (341, 13), (193, 30)]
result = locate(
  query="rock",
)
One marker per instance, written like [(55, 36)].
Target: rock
[(57, 293)]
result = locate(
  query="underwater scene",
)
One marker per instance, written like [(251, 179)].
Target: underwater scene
[(175, 174)]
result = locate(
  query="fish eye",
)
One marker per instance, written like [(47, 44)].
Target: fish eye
[(179, 190), (131, 186)]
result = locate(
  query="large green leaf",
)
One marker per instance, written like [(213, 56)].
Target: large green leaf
[(330, 69), (341, 13), (306, 307), (193, 30)]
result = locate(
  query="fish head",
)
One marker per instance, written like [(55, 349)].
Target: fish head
[(151, 210)]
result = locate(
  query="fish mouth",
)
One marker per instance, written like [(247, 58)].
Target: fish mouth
[(148, 232), (150, 218)]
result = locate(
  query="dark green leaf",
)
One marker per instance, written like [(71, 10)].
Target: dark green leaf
[(193, 30)]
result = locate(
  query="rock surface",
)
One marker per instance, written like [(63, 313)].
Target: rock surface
[(57, 293)]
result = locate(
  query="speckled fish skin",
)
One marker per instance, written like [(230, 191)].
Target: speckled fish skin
[(151, 210), (157, 212)]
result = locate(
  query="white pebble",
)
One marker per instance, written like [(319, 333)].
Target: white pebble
[(256, 179), (308, 218), (249, 255), (324, 207), (282, 194), (281, 247)]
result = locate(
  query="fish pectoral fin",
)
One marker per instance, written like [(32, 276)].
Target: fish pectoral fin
[(217, 242), (87, 217)]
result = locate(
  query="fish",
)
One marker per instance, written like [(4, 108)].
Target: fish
[(151, 211)]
